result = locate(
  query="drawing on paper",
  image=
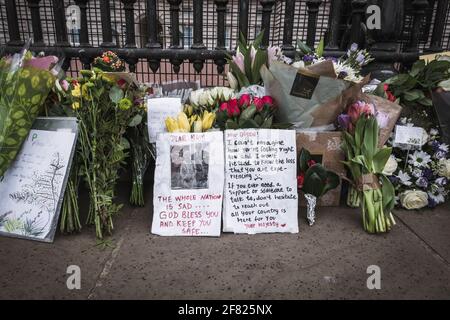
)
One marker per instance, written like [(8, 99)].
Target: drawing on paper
[(189, 166)]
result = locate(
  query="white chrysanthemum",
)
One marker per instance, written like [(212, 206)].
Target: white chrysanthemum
[(405, 178), (437, 197), (350, 73), (419, 159)]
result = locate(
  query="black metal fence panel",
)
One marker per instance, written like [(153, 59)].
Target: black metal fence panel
[(165, 40)]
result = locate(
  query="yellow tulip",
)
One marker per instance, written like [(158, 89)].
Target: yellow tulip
[(75, 105), (183, 122), (198, 126), (208, 120), (171, 125)]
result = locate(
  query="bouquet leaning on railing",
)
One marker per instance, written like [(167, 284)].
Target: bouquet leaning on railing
[(366, 162), (25, 82)]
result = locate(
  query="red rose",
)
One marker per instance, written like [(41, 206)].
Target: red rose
[(300, 180), (389, 94), (259, 103), (245, 100), (267, 100), (121, 83), (223, 106)]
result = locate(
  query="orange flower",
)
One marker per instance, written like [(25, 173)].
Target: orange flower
[(106, 59)]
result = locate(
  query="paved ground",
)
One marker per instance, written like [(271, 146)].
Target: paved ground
[(326, 261)]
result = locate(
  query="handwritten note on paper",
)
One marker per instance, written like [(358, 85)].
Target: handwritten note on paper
[(158, 109), (260, 181), (188, 189), (32, 186)]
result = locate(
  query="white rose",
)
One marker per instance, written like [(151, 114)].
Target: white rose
[(390, 166), (444, 168), (413, 199), (205, 99)]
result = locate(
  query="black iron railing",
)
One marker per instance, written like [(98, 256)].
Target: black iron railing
[(185, 38)]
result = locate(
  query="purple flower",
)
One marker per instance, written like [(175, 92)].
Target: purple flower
[(43, 63), (440, 154), (428, 174), (342, 75), (382, 119), (422, 182), (435, 145), (344, 121), (431, 202), (334, 59), (360, 59), (441, 181), (308, 58), (354, 47)]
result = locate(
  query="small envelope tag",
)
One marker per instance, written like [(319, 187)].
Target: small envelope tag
[(304, 84), (410, 136)]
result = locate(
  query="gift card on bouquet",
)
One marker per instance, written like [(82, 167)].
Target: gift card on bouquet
[(260, 181), (408, 137), (32, 189), (188, 189)]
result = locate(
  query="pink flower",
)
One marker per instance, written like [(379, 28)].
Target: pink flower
[(223, 106), (268, 100), (238, 59), (259, 103), (273, 53), (64, 84), (233, 108), (43, 63), (245, 100), (359, 108), (121, 83)]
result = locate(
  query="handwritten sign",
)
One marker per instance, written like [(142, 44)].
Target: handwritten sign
[(260, 181), (188, 189), (32, 188), (407, 136), (158, 109)]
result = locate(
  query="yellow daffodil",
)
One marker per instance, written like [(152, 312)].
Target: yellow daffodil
[(208, 120), (198, 126), (172, 125), (183, 122)]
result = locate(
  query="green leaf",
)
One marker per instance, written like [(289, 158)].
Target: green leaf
[(388, 193), (380, 159), (332, 181), (248, 66), (247, 124), (230, 124), (426, 102), (417, 68), (320, 47), (115, 94), (258, 39), (260, 60), (303, 47), (303, 159), (248, 113), (137, 119), (241, 78), (413, 95), (267, 124)]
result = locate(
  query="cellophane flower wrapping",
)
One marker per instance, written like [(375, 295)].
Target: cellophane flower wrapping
[(25, 82)]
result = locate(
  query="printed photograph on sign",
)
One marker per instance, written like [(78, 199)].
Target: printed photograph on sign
[(189, 166)]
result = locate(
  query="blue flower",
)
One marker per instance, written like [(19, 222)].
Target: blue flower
[(427, 173)]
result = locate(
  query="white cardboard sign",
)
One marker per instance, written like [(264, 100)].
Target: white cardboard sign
[(32, 187), (260, 181), (158, 109), (410, 136), (188, 189)]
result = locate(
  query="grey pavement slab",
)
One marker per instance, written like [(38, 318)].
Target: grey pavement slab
[(326, 261)]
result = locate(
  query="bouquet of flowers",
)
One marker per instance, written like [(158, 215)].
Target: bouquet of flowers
[(420, 177), (109, 62), (347, 67), (247, 112), (314, 181), (366, 162), (25, 82), (105, 109), (246, 63)]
